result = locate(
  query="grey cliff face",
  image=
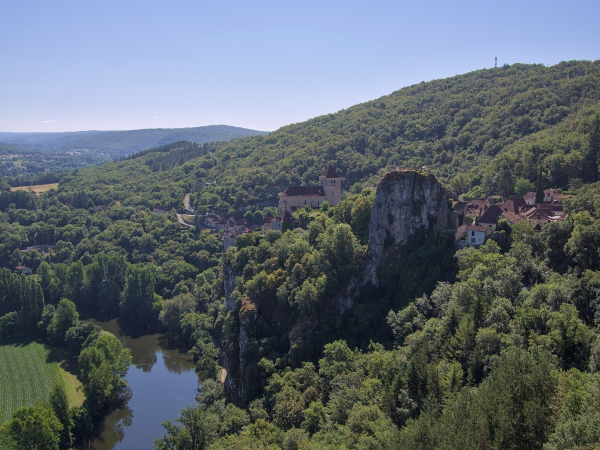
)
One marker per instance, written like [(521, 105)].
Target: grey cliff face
[(404, 202), (228, 284)]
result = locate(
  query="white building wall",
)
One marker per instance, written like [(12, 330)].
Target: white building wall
[(475, 237), (299, 201)]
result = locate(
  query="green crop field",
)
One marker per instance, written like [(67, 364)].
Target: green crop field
[(28, 372)]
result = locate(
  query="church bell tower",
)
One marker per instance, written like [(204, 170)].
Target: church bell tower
[(332, 185)]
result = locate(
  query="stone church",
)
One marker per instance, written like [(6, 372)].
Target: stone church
[(329, 189)]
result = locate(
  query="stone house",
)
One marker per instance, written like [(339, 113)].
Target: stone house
[(476, 235), (461, 232), (490, 217), (24, 270), (267, 223), (284, 221), (530, 198), (476, 207), (551, 196), (511, 209)]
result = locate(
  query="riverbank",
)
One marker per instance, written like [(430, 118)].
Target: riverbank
[(162, 381)]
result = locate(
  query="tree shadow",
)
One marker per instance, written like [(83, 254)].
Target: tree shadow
[(65, 359), (22, 341), (111, 430)]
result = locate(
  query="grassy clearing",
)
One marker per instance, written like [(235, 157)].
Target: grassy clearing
[(36, 189), (187, 218), (28, 372), (69, 373)]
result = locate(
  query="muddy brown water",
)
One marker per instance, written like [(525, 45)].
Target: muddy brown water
[(162, 382)]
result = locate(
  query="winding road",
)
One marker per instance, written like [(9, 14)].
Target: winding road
[(188, 210), (183, 222), (186, 204)]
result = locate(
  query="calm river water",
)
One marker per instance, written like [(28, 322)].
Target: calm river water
[(162, 382)]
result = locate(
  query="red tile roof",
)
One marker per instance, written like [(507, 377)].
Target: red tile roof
[(476, 206), (513, 204), (491, 215), (511, 217), (477, 228), (536, 213)]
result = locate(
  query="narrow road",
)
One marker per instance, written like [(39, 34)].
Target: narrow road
[(183, 222), (186, 204)]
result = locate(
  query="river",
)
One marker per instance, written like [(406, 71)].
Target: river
[(162, 382)]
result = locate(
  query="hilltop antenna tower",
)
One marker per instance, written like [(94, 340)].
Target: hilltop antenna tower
[(495, 62)]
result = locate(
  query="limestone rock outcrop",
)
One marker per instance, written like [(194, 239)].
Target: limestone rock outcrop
[(229, 282), (406, 200)]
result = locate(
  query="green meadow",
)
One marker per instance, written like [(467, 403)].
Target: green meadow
[(28, 372)]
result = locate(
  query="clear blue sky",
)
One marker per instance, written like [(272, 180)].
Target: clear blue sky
[(80, 65)]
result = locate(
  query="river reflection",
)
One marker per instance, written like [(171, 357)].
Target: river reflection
[(162, 382)]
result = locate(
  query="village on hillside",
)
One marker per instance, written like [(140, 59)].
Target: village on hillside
[(329, 189), (479, 217)]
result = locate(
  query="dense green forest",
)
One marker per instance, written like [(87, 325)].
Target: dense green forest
[(495, 347)]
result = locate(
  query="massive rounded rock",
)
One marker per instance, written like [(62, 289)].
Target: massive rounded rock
[(406, 200)]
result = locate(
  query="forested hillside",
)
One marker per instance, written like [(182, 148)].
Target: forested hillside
[(10, 149), (494, 347), (478, 133)]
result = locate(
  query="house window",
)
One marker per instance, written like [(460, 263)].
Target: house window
[(473, 240)]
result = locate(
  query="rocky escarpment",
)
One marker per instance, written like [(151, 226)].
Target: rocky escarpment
[(231, 353), (229, 281), (405, 201), (235, 351)]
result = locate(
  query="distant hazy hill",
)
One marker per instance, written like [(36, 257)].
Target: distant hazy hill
[(46, 141), (120, 143), (9, 148)]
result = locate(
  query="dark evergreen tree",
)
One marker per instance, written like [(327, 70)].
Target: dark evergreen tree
[(539, 187)]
